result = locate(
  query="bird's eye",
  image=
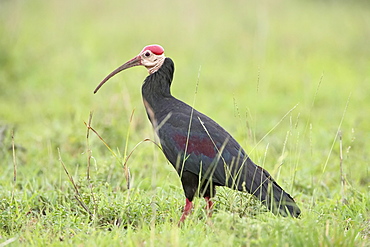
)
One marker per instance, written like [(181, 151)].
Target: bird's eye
[(147, 54)]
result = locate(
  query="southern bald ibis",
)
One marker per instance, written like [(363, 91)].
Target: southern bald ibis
[(203, 153)]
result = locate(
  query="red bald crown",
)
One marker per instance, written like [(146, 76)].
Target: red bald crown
[(156, 49)]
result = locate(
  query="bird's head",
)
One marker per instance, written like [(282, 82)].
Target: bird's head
[(152, 57)]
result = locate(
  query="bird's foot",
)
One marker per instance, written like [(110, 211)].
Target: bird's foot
[(209, 206), (187, 210)]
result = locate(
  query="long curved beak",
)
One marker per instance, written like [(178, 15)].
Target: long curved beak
[(131, 63)]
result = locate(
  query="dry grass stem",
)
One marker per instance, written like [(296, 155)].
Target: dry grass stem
[(77, 195)]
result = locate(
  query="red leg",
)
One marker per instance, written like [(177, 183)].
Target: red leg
[(209, 206), (187, 210)]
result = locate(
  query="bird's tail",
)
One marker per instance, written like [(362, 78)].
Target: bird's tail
[(259, 183)]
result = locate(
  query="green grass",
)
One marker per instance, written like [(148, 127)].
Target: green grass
[(254, 62)]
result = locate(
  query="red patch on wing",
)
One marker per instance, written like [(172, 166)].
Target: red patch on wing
[(156, 49), (196, 145)]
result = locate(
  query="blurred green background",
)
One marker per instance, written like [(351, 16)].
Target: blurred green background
[(250, 58), (251, 62)]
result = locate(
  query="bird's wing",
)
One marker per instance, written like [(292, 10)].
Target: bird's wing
[(210, 151), (213, 154)]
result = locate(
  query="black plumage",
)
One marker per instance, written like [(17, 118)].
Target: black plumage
[(203, 153)]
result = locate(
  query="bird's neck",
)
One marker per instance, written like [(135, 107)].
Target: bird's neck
[(156, 87)]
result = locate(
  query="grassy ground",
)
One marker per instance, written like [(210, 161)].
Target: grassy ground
[(289, 80)]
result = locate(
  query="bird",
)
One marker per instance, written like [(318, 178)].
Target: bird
[(203, 153)]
